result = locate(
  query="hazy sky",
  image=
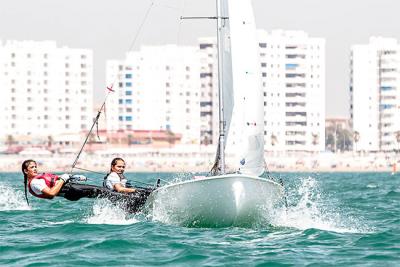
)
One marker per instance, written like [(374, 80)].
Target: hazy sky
[(109, 26)]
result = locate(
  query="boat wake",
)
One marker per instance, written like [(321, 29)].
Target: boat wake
[(104, 212), (309, 209), (11, 199)]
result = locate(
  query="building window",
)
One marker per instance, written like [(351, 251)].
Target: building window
[(128, 76), (128, 101), (128, 118), (128, 84), (128, 93)]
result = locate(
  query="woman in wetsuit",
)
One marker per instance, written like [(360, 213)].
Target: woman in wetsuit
[(115, 179), (44, 185)]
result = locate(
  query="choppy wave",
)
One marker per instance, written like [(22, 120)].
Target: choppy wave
[(310, 209), (12, 199), (104, 212), (372, 185)]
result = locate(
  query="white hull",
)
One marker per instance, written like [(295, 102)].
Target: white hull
[(218, 201)]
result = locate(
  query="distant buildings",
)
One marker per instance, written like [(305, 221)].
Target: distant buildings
[(293, 77), (46, 90), (156, 88), (181, 85), (375, 94), (171, 90), (209, 111)]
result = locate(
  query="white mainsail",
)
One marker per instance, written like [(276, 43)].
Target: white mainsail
[(246, 140), (226, 65)]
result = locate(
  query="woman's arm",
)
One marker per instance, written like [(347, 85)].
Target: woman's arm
[(52, 192), (121, 189)]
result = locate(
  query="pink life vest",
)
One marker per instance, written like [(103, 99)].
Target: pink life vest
[(50, 180)]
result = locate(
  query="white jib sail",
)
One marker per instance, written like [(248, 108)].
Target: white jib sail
[(247, 129)]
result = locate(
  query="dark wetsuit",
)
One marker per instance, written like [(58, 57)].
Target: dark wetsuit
[(131, 202)]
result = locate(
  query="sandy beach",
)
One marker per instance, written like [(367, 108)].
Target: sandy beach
[(189, 161)]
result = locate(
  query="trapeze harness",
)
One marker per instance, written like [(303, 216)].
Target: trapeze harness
[(49, 179)]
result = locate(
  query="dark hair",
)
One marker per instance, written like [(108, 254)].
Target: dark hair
[(24, 167), (114, 162)]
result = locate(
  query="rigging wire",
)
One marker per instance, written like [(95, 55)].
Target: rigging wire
[(110, 89)]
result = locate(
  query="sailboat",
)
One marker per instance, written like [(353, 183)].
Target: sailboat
[(239, 196)]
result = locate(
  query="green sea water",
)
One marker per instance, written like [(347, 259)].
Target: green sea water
[(333, 219)]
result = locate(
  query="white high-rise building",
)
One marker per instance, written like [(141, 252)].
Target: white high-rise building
[(46, 90), (293, 77), (375, 94), (209, 113), (156, 88)]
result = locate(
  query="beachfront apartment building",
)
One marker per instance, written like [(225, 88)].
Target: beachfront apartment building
[(292, 71), (375, 94), (46, 90), (209, 105), (156, 88), (293, 78)]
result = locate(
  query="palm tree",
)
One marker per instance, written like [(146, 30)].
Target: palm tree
[(10, 140), (356, 138), (130, 139), (274, 139), (170, 137), (315, 139), (50, 141)]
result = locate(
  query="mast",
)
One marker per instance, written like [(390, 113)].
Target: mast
[(221, 143)]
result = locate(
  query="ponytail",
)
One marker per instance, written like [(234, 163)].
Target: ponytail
[(24, 167)]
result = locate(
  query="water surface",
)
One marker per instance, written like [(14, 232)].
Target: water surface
[(333, 219)]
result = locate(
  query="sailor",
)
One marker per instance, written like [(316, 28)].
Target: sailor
[(44, 185), (115, 179)]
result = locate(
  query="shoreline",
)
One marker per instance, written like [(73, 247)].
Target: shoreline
[(199, 162)]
